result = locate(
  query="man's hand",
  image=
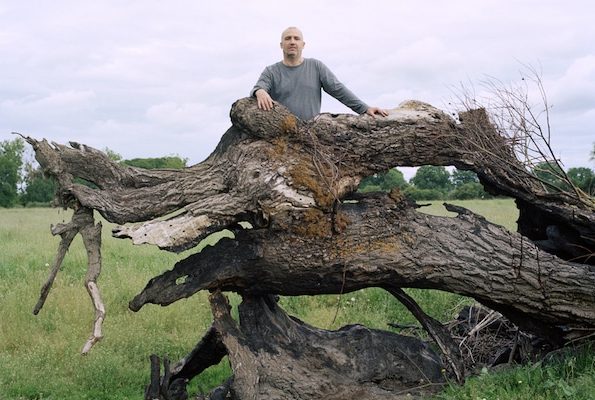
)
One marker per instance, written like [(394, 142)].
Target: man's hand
[(373, 111), (265, 102)]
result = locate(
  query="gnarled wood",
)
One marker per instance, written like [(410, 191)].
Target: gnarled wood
[(275, 356), (82, 223), (385, 242), (270, 160), (294, 182)]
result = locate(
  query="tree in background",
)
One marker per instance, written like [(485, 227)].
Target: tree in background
[(423, 194), (384, 181), (436, 183), (550, 174), (432, 177), (468, 191), (429, 183), (460, 177), (171, 162), (112, 155), (38, 189), (466, 186), (556, 180), (583, 178), (11, 163)]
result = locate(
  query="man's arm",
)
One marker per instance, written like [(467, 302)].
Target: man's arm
[(335, 88), (261, 90)]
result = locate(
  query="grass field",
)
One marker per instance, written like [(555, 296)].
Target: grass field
[(40, 355)]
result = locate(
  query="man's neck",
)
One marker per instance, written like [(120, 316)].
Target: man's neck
[(292, 62)]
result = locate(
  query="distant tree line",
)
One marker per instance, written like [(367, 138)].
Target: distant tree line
[(23, 183), (437, 183), (429, 183)]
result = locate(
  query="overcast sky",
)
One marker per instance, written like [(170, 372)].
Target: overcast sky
[(156, 78)]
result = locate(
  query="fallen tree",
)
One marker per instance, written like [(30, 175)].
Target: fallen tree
[(295, 183)]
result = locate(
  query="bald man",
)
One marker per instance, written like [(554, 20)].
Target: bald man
[(296, 82)]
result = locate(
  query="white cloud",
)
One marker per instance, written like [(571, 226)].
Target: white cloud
[(38, 113), (575, 90), (183, 116), (59, 101), (146, 78)]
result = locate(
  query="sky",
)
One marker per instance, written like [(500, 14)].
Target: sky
[(154, 78)]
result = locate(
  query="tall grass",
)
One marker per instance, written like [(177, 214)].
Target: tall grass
[(40, 355), (501, 211), (571, 377)]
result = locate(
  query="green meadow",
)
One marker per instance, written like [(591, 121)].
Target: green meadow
[(40, 355)]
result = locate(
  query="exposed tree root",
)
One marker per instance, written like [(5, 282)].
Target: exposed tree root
[(82, 223)]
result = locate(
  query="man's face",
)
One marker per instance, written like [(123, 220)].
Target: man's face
[(292, 43)]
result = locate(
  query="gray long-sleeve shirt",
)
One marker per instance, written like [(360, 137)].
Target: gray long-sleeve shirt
[(298, 88)]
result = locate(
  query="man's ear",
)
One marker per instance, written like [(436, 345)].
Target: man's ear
[(281, 44)]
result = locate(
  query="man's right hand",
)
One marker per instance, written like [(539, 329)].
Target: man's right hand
[(264, 100)]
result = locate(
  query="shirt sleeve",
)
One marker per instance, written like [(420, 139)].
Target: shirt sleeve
[(265, 81), (335, 88)]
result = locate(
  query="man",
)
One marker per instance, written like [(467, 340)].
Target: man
[(296, 82)]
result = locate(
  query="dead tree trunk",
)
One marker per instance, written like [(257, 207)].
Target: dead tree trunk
[(294, 181), (385, 244)]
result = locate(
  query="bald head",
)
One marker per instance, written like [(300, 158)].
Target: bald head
[(292, 30), (292, 44)]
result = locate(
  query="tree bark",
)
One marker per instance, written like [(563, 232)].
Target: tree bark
[(275, 356), (294, 181), (271, 160), (82, 223), (384, 243)]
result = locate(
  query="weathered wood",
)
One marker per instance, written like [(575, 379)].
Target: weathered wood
[(82, 223), (172, 385), (270, 160), (67, 234), (384, 241), (279, 357), (294, 182), (91, 235), (437, 332), (152, 390)]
